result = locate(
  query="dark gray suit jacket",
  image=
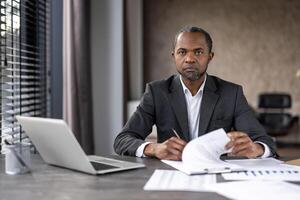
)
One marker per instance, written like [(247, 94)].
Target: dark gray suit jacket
[(163, 104)]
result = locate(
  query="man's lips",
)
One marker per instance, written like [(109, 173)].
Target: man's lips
[(189, 69)]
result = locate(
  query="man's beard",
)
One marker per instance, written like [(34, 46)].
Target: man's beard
[(192, 76)]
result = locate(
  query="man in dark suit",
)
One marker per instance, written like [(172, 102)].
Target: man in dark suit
[(192, 104)]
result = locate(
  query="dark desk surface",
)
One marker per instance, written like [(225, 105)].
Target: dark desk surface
[(49, 182)]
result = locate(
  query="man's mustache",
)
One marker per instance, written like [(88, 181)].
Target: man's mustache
[(190, 67)]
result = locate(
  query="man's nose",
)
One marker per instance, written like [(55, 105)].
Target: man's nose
[(190, 58)]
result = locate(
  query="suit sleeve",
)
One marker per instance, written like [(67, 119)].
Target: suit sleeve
[(246, 121), (138, 127)]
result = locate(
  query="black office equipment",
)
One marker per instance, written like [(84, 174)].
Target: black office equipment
[(274, 115)]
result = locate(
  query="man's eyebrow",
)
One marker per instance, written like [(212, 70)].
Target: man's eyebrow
[(199, 48)]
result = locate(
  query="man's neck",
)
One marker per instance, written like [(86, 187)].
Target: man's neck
[(193, 86)]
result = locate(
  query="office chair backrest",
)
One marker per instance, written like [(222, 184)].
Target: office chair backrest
[(275, 120), (275, 100), (274, 117)]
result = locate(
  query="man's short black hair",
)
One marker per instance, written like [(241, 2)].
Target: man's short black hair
[(194, 29)]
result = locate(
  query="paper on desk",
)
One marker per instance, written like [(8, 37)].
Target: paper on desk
[(203, 153), (166, 180), (258, 163), (264, 169), (263, 164), (258, 190)]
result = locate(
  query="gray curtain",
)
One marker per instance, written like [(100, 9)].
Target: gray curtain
[(77, 97)]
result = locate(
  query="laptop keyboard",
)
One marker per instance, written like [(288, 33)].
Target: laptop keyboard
[(108, 161), (100, 166)]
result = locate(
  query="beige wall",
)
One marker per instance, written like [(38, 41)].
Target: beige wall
[(256, 42)]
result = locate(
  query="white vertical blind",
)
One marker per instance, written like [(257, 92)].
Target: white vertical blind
[(24, 62)]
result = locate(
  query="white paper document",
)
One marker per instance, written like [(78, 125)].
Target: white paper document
[(202, 155), (264, 169), (257, 163), (258, 190), (167, 180), (282, 175)]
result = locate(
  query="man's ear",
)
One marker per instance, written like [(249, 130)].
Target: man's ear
[(211, 55)]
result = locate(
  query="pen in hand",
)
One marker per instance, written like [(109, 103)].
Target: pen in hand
[(176, 133), (177, 146)]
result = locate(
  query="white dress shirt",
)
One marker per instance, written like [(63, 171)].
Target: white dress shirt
[(193, 104)]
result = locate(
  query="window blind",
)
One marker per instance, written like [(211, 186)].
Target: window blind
[(24, 63)]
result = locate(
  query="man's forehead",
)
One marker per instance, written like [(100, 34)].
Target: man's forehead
[(191, 40)]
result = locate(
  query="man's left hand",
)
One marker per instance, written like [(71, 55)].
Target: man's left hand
[(242, 145)]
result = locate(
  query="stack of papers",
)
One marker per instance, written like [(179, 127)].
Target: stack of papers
[(202, 155), (261, 177)]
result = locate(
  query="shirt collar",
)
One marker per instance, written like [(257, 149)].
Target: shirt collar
[(185, 89)]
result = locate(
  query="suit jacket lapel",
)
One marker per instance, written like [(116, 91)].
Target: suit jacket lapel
[(177, 99), (209, 100)]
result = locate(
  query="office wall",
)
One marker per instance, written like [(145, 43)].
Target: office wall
[(107, 72), (256, 42)]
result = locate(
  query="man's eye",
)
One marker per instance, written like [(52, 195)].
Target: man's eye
[(181, 52), (198, 52)]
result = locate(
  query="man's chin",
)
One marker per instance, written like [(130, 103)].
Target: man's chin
[(192, 77)]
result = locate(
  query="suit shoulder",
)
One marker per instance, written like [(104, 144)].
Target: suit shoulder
[(223, 84), (163, 84)]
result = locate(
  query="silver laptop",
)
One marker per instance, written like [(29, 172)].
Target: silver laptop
[(58, 146)]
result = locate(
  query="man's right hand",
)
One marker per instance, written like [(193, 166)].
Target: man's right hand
[(170, 149)]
